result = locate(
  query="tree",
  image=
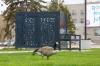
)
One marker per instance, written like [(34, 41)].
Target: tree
[(19, 6), (55, 6)]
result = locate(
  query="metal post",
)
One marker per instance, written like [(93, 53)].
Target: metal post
[(85, 28)]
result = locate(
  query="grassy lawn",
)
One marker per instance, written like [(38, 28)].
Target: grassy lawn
[(66, 58)]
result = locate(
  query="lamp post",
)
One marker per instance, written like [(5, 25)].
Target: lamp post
[(85, 27)]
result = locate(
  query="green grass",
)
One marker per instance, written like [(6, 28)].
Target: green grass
[(66, 58)]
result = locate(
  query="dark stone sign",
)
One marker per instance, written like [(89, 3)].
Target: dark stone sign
[(33, 29)]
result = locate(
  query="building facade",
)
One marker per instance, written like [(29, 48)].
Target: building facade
[(77, 12)]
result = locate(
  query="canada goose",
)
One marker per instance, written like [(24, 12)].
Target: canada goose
[(45, 51)]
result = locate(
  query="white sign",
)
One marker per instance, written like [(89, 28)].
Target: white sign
[(93, 15)]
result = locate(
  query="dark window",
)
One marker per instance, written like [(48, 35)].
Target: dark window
[(82, 20), (82, 12), (74, 20), (73, 13)]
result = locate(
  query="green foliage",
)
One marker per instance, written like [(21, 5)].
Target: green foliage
[(53, 6)]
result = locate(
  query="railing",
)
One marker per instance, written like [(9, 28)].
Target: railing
[(71, 38)]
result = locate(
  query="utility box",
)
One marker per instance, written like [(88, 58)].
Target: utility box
[(85, 44)]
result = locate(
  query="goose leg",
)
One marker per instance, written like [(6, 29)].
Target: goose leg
[(47, 57)]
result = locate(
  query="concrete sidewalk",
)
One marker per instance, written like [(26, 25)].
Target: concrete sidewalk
[(14, 51), (10, 52), (95, 46)]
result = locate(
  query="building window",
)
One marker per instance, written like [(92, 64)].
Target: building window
[(97, 32), (77, 24), (81, 12), (74, 20), (82, 20), (73, 13)]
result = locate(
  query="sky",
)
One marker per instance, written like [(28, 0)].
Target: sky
[(71, 1), (3, 6)]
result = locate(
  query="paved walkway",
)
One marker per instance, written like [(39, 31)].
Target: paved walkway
[(15, 51), (95, 46), (32, 51)]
